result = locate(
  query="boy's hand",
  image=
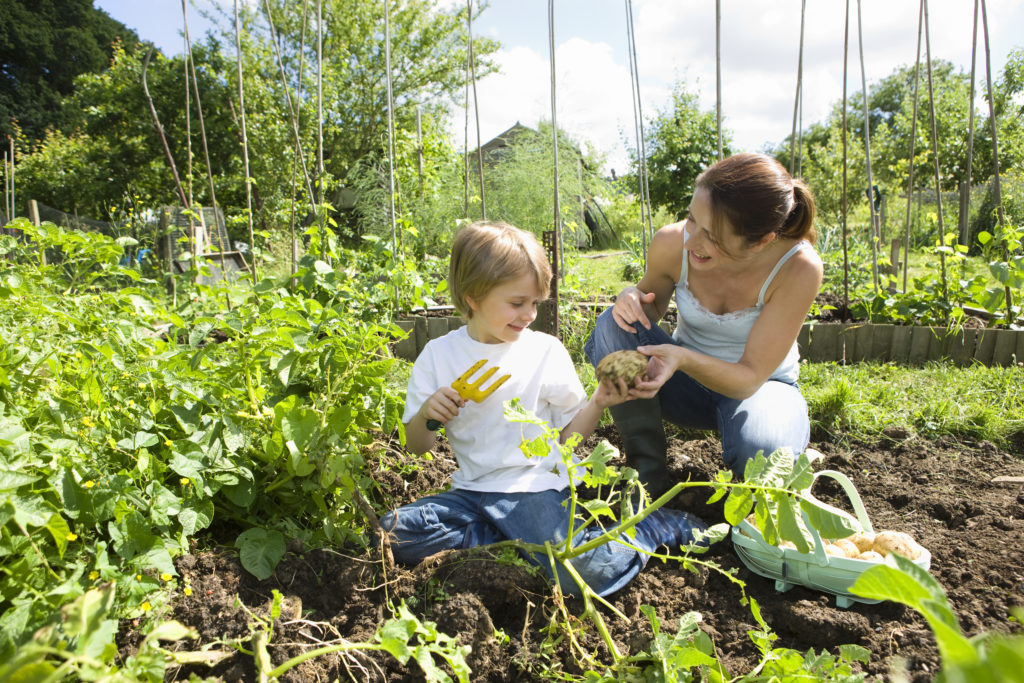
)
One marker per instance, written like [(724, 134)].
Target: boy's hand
[(443, 405), (611, 393)]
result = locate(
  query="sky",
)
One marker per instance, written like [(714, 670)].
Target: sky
[(675, 44)]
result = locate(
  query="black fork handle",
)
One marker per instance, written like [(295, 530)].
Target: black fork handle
[(433, 425)]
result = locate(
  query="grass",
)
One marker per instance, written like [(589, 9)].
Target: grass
[(859, 402), (597, 273)]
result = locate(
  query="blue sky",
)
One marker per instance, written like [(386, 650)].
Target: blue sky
[(675, 43)]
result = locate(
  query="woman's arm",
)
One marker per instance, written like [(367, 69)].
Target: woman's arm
[(647, 302), (771, 338)]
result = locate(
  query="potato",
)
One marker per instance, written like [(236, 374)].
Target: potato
[(863, 540), (870, 556), (847, 546), (834, 550), (896, 542), (629, 365)]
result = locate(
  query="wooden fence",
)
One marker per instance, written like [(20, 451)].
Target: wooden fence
[(823, 342)]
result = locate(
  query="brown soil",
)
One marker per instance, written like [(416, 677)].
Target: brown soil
[(940, 492)]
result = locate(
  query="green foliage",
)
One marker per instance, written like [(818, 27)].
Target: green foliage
[(44, 45), (519, 183), (986, 657), (80, 646), (127, 428), (680, 143)]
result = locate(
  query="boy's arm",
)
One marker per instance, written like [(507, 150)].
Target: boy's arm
[(585, 421), (443, 405), (419, 439)]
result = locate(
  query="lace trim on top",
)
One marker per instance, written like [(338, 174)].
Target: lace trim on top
[(719, 318), (722, 318)]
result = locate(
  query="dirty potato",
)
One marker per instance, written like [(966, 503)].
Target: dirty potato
[(629, 365), (863, 540), (870, 556), (896, 542), (847, 546)]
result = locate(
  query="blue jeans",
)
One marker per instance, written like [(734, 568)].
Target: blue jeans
[(774, 417), (464, 519)]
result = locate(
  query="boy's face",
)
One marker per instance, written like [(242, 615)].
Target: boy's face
[(503, 313)]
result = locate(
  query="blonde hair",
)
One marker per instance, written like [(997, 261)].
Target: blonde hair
[(486, 254)]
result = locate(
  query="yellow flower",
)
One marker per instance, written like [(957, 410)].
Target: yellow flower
[(168, 443), (78, 354), (187, 591), (146, 606), (93, 575), (185, 481), (138, 577), (88, 484), (71, 536), (166, 577)]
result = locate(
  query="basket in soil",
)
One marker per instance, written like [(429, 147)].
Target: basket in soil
[(823, 568)]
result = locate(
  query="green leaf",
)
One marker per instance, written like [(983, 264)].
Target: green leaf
[(13, 480), (59, 530), (260, 550), (829, 521), (902, 581), (395, 633), (85, 619), (738, 504), (789, 528), (196, 516)]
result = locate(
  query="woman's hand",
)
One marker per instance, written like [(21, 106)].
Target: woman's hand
[(664, 360), (629, 308)]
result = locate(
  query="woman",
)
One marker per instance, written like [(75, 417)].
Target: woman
[(744, 273)]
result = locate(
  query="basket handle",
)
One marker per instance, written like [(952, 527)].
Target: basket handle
[(858, 507), (851, 493)]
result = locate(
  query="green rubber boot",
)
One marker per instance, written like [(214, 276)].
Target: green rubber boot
[(644, 442)]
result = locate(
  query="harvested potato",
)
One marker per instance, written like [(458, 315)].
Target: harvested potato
[(834, 550), (896, 542), (629, 365), (848, 547), (870, 556), (863, 540)]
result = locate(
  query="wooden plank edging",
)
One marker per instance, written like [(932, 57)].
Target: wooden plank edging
[(821, 342)]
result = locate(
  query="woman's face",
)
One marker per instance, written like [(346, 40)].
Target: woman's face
[(704, 249)]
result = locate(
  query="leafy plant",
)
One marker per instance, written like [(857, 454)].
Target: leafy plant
[(986, 657)]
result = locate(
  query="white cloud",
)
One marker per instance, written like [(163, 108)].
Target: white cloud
[(760, 44)]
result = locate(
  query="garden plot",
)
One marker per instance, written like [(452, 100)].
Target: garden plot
[(941, 492)]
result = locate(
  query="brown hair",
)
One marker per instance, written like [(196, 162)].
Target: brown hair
[(487, 254), (757, 196)]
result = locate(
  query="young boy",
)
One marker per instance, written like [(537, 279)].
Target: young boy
[(498, 274)]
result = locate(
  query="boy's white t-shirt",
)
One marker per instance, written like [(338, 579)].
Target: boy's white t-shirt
[(485, 444)]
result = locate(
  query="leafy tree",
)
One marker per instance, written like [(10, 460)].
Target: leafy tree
[(680, 144), (44, 46), (519, 186), (109, 119)]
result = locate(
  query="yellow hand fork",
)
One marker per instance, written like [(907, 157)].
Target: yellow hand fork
[(473, 391)]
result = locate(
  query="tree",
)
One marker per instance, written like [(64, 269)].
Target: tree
[(680, 143), (519, 185), (44, 46)]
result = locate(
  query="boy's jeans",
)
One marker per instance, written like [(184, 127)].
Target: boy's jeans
[(463, 519), (774, 417)]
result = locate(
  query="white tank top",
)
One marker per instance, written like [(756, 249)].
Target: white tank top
[(724, 336)]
